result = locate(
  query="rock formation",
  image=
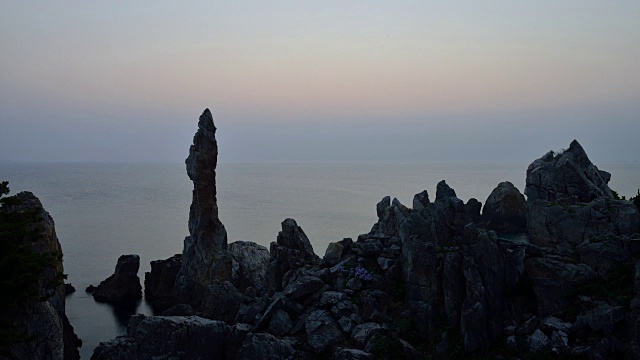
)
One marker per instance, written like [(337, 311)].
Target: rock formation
[(204, 257), (124, 285), (435, 280), (568, 174), (505, 210), (33, 322)]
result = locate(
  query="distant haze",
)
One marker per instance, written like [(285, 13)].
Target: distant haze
[(331, 81)]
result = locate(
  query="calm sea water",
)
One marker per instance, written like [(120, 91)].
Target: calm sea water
[(105, 210)]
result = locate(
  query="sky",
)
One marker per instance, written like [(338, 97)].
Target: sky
[(319, 81)]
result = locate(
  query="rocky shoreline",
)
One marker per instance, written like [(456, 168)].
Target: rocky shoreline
[(555, 274), (440, 280)]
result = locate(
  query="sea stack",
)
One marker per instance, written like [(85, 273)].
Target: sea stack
[(204, 253)]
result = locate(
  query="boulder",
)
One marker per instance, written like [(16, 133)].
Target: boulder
[(333, 253), (505, 210), (322, 331), (264, 346), (124, 285), (250, 263), (303, 287), (363, 332)]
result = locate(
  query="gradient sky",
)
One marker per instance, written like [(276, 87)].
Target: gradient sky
[(319, 80)]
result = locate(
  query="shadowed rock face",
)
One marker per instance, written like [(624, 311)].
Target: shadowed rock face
[(505, 210), (46, 321), (204, 253), (565, 175), (124, 284)]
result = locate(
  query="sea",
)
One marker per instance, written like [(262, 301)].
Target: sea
[(102, 211)]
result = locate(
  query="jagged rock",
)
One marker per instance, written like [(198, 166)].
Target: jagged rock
[(293, 237), (333, 253), (505, 210), (529, 326), (567, 226), (175, 337), (220, 301), (41, 315), (69, 289), (351, 354), (483, 270), (420, 200), (551, 323), (159, 284), (291, 250), (565, 175), (552, 279), (179, 310), (331, 298), (250, 263), (123, 285), (444, 191), (635, 302), (264, 346), (303, 286), (391, 214), (514, 265), (280, 324), (603, 318), (204, 257), (363, 332), (538, 341), (559, 340), (322, 331)]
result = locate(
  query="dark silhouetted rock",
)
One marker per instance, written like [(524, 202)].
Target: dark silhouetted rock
[(505, 210), (420, 200), (290, 251), (204, 257), (179, 310), (175, 337), (69, 289), (159, 284), (41, 316), (567, 174), (322, 331), (123, 285)]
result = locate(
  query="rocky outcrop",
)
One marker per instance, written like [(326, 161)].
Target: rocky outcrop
[(250, 263), (435, 280), (291, 250), (33, 319), (124, 285), (505, 210), (173, 337), (567, 174), (160, 282), (204, 257)]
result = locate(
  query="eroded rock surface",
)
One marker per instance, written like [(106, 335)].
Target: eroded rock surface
[(124, 285)]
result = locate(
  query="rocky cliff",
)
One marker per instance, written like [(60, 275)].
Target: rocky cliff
[(33, 324), (556, 274)]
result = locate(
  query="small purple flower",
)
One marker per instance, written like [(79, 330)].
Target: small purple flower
[(362, 274)]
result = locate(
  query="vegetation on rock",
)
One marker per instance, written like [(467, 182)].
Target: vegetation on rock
[(22, 269)]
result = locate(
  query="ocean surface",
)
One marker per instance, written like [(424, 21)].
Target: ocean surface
[(102, 211)]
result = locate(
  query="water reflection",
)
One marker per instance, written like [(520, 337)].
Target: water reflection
[(122, 312)]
